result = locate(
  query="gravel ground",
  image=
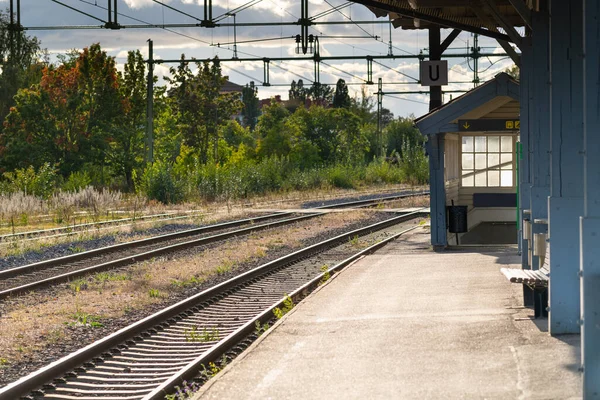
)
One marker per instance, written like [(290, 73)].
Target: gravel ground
[(65, 249), (80, 336), (320, 203)]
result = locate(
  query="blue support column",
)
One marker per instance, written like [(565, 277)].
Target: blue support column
[(540, 117), (565, 204), (590, 223), (435, 149), (525, 102)]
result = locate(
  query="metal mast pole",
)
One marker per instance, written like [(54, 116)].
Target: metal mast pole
[(379, 106), (150, 106), (435, 54)]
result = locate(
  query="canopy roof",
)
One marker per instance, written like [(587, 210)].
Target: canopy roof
[(497, 98), (493, 18)]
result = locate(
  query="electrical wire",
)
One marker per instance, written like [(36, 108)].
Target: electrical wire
[(396, 71), (405, 99), (344, 72), (147, 23)]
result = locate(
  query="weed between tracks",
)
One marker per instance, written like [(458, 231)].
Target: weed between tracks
[(288, 304), (42, 319), (206, 335)]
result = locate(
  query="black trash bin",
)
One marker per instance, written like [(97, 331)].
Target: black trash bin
[(457, 219)]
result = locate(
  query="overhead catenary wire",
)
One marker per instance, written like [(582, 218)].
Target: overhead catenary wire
[(396, 71), (147, 23)]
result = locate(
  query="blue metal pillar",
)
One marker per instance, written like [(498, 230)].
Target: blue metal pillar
[(590, 222), (527, 125), (565, 204), (525, 102), (540, 117), (437, 194)]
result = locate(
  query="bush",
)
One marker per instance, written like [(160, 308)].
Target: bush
[(77, 181), (159, 183), (381, 171), (341, 177), (40, 183)]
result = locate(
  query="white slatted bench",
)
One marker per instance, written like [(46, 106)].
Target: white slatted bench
[(537, 280)]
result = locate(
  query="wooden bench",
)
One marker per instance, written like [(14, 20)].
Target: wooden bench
[(536, 280)]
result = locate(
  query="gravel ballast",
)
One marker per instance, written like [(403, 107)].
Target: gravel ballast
[(78, 336)]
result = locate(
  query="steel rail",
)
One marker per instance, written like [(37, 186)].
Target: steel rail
[(138, 329), (11, 272), (191, 370), (14, 273), (74, 229), (82, 227), (131, 258)]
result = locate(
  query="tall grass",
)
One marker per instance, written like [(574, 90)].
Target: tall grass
[(247, 178)]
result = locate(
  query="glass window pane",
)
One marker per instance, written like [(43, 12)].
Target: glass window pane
[(493, 144), (480, 144), (506, 160), (493, 178), (480, 179), (467, 161), (506, 178), (468, 178), (467, 143), (507, 144), (494, 160), (480, 161)]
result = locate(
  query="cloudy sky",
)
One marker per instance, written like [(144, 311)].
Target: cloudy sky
[(348, 39)]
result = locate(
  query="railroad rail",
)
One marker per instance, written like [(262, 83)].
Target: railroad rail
[(23, 279), (29, 277), (147, 359), (165, 217), (78, 228)]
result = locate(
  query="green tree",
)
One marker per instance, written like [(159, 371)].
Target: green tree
[(363, 106), (275, 137), (513, 71), (298, 91), (251, 110), (341, 98), (19, 63), (127, 147), (321, 94), (68, 119), (201, 107), (401, 135)]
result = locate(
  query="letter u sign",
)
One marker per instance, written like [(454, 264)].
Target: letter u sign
[(434, 73)]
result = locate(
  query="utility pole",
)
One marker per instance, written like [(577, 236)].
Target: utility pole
[(379, 107), (150, 107), (475, 54), (435, 54)]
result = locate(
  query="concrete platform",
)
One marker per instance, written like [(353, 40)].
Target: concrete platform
[(407, 323)]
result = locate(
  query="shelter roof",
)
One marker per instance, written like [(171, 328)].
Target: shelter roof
[(483, 16), (494, 99)]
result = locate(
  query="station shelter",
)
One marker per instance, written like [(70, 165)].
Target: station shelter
[(472, 144)]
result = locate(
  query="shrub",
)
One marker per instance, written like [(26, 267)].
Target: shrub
[(159, 183), (381, 171), (341, 177), (38, 183), (77, 181)]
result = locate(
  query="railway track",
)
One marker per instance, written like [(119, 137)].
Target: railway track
[(15, 281), (23, 279), (168, 217), (78, 228), (147, 359)]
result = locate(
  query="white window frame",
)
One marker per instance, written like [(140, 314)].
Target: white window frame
[(479, 134)]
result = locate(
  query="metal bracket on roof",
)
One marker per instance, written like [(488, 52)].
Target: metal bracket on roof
[(493, 10), (522, 9)]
